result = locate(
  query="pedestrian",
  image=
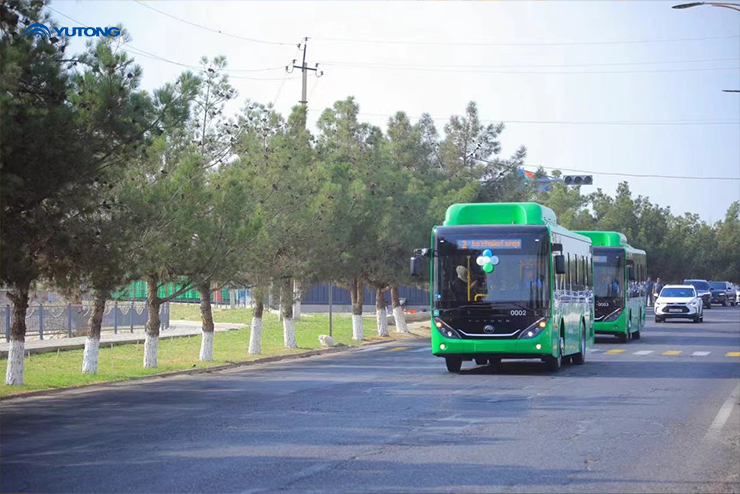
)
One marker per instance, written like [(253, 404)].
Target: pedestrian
[(649, 290), (657, 288)]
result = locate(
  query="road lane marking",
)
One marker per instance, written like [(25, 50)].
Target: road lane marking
[(672, 352), (724, 413), (371, 349), (594, 350), (700, 354), (643, 352), (617, 350), (396, 349), (732, 354), (419, 350)]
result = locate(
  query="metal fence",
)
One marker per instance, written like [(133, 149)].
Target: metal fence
[(59, 321)]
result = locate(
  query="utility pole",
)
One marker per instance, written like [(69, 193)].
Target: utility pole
[(304, 68)]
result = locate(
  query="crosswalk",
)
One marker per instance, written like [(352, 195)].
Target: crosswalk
[(612, 351), (668, 353)]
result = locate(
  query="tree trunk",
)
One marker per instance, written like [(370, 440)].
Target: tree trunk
[(398, 316), (380, 312), (356, 295), (274, 298), (287, 313), (255, 336), (92, 342), (297, 302), (206, 314), (19, 299), (151, 341)]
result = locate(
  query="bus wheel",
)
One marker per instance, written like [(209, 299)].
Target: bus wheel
[(553, 364), (624, 337), (454, 364), (580, 357)]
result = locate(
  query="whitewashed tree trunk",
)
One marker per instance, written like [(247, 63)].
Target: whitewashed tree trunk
[(356, 294), (151, 349), (151, 341), (19, 299), (381, 315), (14, 372), (255, 336), (289, 333), (297, 303), (382, 322), (398, 317), (92, 342), (287, 313), (90, 356), (206, 346), (358, 333), (207, 328)]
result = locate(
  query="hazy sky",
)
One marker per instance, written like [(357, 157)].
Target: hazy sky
[(572, 80)]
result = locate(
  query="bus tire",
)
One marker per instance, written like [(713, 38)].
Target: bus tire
[(580, 357), (553, 364), (454, 364)]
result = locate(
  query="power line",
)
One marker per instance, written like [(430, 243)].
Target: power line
[(498, 43), (611, 72), (635, 175), (547, 66), (218, 31), (576, 122)]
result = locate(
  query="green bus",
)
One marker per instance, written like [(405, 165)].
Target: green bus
[(620, 272), (508, 283)]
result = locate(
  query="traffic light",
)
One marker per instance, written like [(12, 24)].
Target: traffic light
[(578, 180)]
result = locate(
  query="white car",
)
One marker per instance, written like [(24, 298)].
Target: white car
[(679, 302)]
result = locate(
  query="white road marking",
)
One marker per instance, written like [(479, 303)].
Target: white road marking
[(643, 352), (423, 349), (724, 413), (594, 350), (700, 354)]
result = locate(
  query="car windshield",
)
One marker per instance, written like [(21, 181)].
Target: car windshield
[(718, 286), (677, 292), (699, 285)]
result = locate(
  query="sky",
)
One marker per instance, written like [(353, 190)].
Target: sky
[(608, 87)]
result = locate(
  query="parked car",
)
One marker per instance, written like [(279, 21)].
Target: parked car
[(679, 301), (723, 292), (702, 290)]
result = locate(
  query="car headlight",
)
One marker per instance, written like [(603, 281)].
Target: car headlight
[(535, 329), (445, 329)]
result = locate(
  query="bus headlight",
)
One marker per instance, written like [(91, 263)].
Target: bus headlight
[(534, 329), (445, 329)]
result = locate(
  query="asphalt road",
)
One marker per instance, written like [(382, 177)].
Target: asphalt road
[(635, 418)]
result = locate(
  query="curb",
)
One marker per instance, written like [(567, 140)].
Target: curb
[(105, 344), (188, 372)]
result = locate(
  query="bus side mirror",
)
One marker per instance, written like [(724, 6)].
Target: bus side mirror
[(415, 266), (560, 264), (631, 272)]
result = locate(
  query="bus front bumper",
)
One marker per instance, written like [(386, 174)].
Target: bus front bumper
[(617, 326)]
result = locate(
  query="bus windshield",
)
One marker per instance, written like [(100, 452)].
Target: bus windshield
[(486, 267), (609, 274)]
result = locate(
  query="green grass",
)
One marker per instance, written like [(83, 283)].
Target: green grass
[(52, 370)]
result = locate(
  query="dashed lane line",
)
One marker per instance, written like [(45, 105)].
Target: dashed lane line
[(615, 351), (643, 352), (673, 352), (715, 429), (732, 354), (700, 354), (396, 349), (423, 349)]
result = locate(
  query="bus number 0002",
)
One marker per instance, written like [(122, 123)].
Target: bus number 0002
[(518, 313)]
